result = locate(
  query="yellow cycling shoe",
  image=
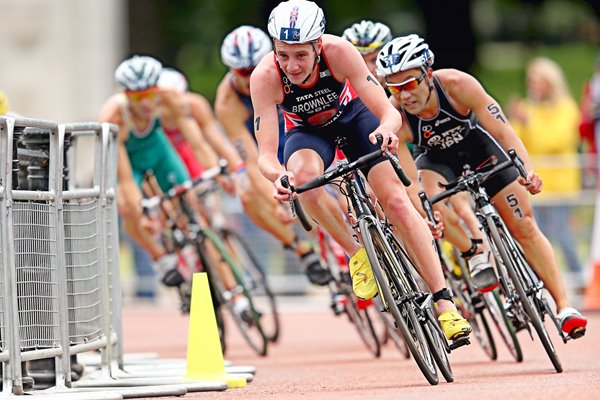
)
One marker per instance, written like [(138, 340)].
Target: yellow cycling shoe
[(453, 325), (363, 283)]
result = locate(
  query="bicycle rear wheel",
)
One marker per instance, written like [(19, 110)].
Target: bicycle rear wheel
[(247, 320), (255, 280), (481, 328), (507, 332), (389, 332), (395, 290), (436, 342), (513, 261)]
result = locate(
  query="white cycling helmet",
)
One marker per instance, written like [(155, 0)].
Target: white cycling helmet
[(173, 79), (404, 53), (296, 21), (244, 47), (367, 36), (138, 73)]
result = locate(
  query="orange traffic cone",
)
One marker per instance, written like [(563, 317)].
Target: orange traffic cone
[(591, 300)]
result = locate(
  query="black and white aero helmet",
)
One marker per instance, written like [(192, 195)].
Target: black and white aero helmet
[(404, 53), (368, 36), (138, 73), (244, 47), (296, 21)]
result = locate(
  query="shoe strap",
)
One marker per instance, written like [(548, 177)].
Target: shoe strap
[(471, 252), (443, 294)]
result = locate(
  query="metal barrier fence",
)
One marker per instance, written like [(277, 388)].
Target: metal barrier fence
[(59, 286)]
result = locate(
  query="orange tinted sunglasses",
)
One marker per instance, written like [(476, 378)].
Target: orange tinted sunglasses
[(410, 85), (244, 72), (138, 95)]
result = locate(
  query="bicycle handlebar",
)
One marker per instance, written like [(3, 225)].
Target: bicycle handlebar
[(427, 206), (176, 191), (467, 179), (340, 170)]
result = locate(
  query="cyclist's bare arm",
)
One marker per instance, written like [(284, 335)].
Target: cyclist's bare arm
[(111, 113), (266, 92), (203, 114), (129, 192), (174, 104), (347, 63), (466, 94), (232, 114)]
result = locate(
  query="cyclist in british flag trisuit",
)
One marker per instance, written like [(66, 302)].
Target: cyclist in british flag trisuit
[(316, 80)]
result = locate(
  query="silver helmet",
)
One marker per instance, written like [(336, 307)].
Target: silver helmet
[(404, 53), (138, 73), (368, 36), (244, 47)]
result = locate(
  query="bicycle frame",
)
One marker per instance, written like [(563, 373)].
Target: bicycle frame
[(391, 268), (187, 230), (522, 288)]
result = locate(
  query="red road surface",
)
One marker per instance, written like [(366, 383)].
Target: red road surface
[(319, 356)]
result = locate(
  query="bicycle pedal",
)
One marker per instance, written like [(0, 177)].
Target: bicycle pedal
[(577, 333), (459, 342)]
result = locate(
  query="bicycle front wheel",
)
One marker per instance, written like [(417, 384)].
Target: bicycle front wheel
[(230, 283), (433, 332), (255, 280), (513, 260), (395, 292), (481, 327)]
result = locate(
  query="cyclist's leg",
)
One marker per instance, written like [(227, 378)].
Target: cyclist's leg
[(461, 206), (307, 156), (256, 196), (514, 206), (413, 231), (482, 273), (169, 171), (129, 206), (270, 215), (453, 231), (264, 210)]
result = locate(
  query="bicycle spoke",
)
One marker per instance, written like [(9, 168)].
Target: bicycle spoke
[(394, 291)]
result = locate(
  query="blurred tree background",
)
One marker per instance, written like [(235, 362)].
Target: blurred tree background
[(492, 39)]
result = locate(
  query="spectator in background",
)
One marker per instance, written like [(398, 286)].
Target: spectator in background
[(3, 103), (547, 121), (589, 128)]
